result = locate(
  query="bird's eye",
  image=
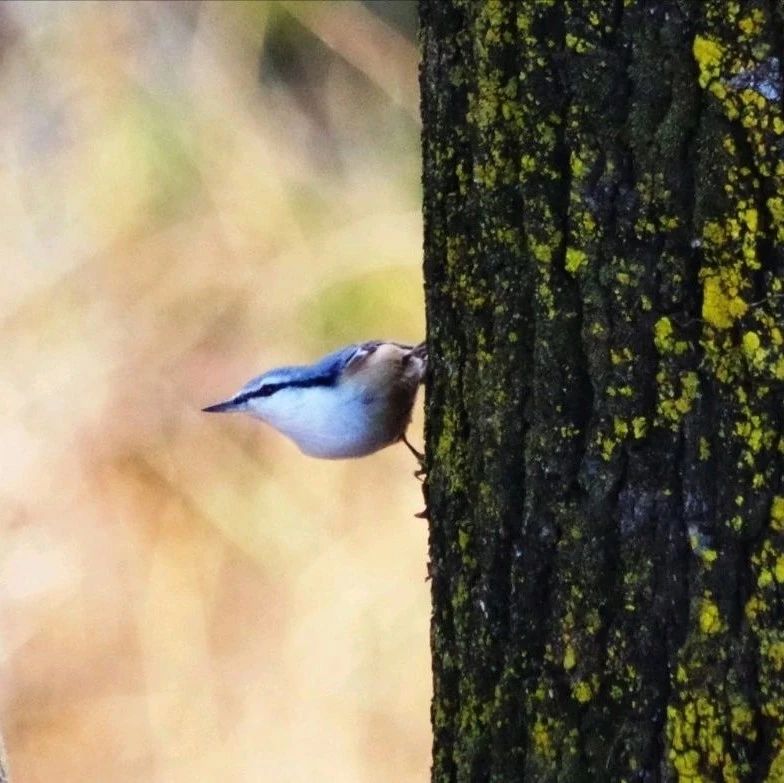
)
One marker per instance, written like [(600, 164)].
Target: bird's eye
[(260, 391), (265, 390)]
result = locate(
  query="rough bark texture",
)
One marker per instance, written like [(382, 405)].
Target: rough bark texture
[(604, 256)]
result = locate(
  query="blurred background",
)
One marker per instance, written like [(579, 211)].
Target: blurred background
[(191, 193)]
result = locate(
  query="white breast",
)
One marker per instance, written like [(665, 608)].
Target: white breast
[(331, 422)]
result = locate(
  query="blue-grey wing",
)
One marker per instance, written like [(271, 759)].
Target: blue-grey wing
[(324, 372), (352, 357), (335, 363)]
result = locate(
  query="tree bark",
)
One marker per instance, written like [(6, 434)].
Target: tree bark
[(604, 257), (4, 776)]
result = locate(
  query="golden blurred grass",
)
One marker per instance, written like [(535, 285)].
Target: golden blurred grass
[(185, 597)]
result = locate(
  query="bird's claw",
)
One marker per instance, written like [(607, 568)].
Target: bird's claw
[(421, 471), (418, 454)]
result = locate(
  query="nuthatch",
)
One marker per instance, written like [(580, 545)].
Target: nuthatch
[(350, 403)]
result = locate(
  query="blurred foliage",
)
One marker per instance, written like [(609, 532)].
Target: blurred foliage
[(356, 305), (192, 193)]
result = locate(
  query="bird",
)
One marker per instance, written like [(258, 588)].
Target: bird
[(351, 403)]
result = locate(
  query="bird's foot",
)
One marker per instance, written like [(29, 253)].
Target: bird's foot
[(418, 454), (421, 471)]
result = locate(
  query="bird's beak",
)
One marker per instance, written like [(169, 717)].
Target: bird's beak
[(221, 407)]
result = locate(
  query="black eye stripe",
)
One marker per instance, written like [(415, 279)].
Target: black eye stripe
[(270, 388), (264, 391)]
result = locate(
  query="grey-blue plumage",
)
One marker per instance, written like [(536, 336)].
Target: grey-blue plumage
[(350, 403)]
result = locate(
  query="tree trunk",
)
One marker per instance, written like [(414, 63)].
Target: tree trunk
[(604, 257), (4, 778)]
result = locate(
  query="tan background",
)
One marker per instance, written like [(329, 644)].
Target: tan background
[(184, 203)]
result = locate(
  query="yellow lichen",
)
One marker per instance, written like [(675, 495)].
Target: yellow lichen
[(542, 740), (708, 53), (778, 569), (751, 343), (709, 556), (662, 331), (582, 691), (742, 721), (719, 308), (639, 426), (686, 764), (620, 427), (663, 338), (574, 259), (777, 514), (709, 617), (754, 353)]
